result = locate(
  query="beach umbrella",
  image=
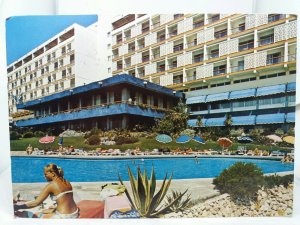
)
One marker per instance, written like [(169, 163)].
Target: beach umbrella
[(183, 139), (245, 139), (289, 139), (198, 139), (224, 142), (60, 140), (47, 139), (163, 138), (274, 138)]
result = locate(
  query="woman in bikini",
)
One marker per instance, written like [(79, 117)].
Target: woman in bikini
[(59, 190)]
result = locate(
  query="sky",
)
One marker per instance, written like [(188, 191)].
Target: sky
[(24, 33)]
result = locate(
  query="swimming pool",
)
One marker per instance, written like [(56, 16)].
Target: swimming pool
[(29, 169)]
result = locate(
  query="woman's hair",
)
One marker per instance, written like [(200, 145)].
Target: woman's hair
[(55, 169)]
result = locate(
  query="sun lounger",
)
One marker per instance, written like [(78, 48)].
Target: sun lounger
[(114, 203)]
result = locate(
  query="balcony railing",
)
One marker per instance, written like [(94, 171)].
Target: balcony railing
[(154, 25), (190, 78), (213, 55), (177, 81), (292, 57), (275, 60), (161, 68), (246, 46), (156, 55), (145, 58), (141, 46), (266, 41), (119, 67), (178, 48), (145, 29), (213, 19), (119, 41), (173, 33), (237, 68), (273, 18), (176, 16), (173, 65), (198, 24), (219, 71), (161, 38), (198, 59), (220, 34), (238, 29), (141, 74), (192, 43), (127, 37), (131, 49), (127, 64), (115, 56)]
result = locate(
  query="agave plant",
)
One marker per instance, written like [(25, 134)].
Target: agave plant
[(181, 204), (145, 200)]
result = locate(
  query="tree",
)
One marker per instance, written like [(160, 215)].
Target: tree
[(199, 121), (174, 121), (228, 121)]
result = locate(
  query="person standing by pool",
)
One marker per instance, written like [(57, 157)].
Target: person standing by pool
[(60, 190)]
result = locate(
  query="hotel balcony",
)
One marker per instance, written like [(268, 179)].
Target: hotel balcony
[(275, 17)]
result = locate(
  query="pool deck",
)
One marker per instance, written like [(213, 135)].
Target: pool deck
[(101, 157)]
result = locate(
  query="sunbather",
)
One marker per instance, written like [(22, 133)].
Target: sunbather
[(60, 190)]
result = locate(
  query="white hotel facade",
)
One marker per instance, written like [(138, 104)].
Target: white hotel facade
[(243, 65), (67, 60)]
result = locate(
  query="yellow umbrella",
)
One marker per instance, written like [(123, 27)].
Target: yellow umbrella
[(289, 139)]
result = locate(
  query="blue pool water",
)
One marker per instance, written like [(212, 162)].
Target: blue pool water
[(27, 170)]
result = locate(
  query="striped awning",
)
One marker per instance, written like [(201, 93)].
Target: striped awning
[(196, 99), (290, 117), (270, 118), (217, 97), (242, 93), (270, 90), (215, 122), (243, 120), (291, 87)]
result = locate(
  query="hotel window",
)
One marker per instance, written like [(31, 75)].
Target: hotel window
[(119, 38), (69, 71), (56, 87), (53, 55), (49, 79), (69, 46), (55, 65), (72, 82), (61, 63), (40, 62), (42, 71), (63, 50), (54, 77), (48, 58), (63, 73), (72, 58), (36, 64)]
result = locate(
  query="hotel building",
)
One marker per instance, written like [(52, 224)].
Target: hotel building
[(241, 66), (65, 61), (117, 102)]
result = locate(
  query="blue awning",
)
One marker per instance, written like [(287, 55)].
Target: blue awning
[(215, 122), (243, 120), (197, 99), (193, 122), (242, 93), (217, 97), (290, 117), (291, 87), (270, 118), (270, 90)]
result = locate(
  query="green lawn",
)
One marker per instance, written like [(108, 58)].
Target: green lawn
[(143, 144)]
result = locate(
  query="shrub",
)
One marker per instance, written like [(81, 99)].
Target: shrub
[(28, 135), (275, 180), (236, 132), (188, 132), (14, 135), (93, 140), (241, 181), (39, 134), (279, 132), (125, 140), (291, 131)]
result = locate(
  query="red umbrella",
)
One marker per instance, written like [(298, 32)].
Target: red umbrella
[(224, 142), (47, 139)]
